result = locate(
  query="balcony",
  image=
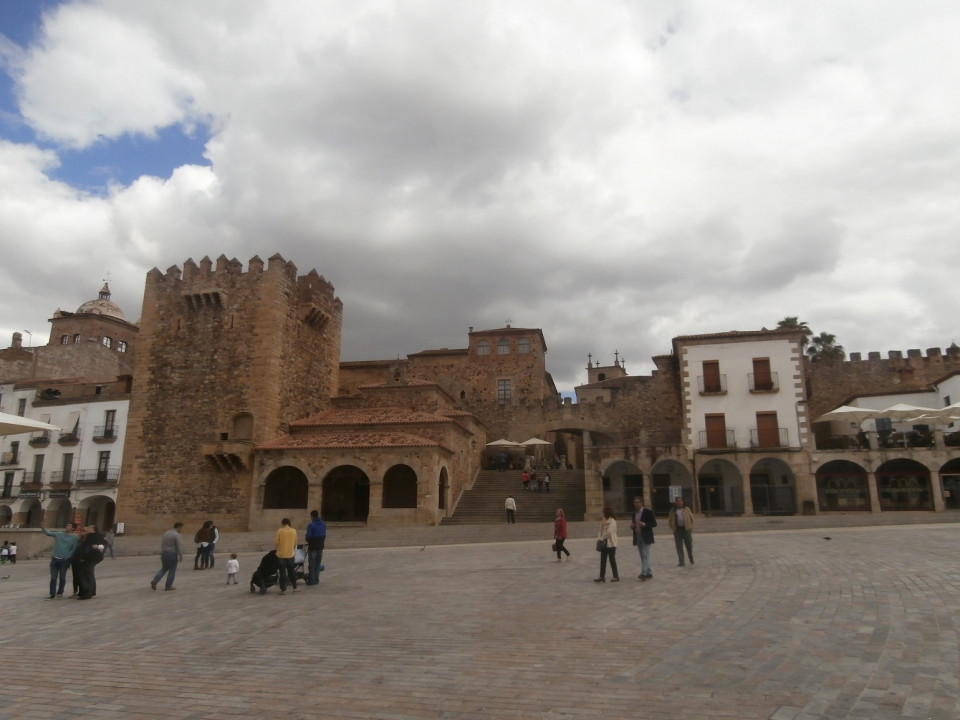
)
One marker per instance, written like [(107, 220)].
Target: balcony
[(104, 433), (724, 440), (713, 385), (70, 438), (41, 439), (60, 480), (763, 382), (9, 458), (228, 455), (772, 438), (108, 476)]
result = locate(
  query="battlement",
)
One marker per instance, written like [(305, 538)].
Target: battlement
[(207, 282), (952, 354)]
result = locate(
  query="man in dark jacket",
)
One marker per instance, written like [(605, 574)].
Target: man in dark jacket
[(644, 521), (316, 538)]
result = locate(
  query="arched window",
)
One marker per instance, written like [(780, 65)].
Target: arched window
[(121, 346), (523, 346), (76, 338), (483, 348), (107, 342), (503, 347), (64, 339), (400, 487)]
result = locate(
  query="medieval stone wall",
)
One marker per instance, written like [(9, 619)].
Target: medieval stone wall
[(830, 384), (215, 342)]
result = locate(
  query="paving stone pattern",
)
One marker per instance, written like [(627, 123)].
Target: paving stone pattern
[(779, 625)]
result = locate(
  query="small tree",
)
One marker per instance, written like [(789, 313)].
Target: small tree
[(824, 347), (793, 323)]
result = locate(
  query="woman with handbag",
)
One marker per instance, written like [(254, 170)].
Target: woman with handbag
[(560, 534), (607, 545)]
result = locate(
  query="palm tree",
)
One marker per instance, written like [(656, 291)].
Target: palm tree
[(793, 323), (824, 347)]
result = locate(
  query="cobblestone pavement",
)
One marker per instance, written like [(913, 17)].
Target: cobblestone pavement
[(781, 625)]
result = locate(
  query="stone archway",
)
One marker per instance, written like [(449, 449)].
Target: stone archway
[(904, 484), (58, 513), (400, 487), (950, 478), (773, 488), (285, 488), (31, 514), (6, 515), (98, 510), (346, 495), (622, 481), (720, 486), (668, 474), (443, 487), (842, 485)]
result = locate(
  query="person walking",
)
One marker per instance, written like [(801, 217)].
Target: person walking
[(316, 539), (560, 534), (13, 552), (510, 505), (525, 479), (607, 541), (64, 546), (644, 521), (681, 523), (546, 481), (171, 553), (286, 544)]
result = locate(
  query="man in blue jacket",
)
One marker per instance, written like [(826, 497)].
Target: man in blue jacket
[(644, 521), (64, 546), (316, 537)]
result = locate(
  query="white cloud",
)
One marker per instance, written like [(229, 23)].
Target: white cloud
[(616, 174)]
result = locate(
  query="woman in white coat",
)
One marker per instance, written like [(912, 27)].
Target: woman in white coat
[(608, 536)]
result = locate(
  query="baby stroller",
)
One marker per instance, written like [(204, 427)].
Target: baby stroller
[(267, 574), (299, 558)]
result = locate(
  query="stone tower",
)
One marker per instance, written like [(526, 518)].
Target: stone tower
[(226, 359)]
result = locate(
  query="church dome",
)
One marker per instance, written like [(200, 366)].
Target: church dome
[(102, 306)]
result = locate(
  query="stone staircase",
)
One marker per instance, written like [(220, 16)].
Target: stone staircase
[(484, 502)]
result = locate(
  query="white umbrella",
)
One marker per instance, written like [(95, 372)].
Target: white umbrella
[(503, 442), (904, 411), (944, 415), (15, 425), (848, 413), (536, 441)]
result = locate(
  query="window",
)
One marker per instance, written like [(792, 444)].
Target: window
[(37, 469), (483, 348), (503, 347), (64, 339), (109, 420), (103, 464), (523, 346), (762, 377), (121, 346), (76, 338), (21, 406), (503, 391), (107, 342), (716, 431)]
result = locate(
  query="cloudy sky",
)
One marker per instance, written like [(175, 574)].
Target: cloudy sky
[(615, 173)]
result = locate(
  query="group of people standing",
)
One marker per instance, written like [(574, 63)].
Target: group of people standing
[(531, 479), (81, 549), (285, 543), (206, 540)]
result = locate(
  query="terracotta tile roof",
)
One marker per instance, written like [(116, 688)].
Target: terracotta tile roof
[(333, 440), (369, 416)]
